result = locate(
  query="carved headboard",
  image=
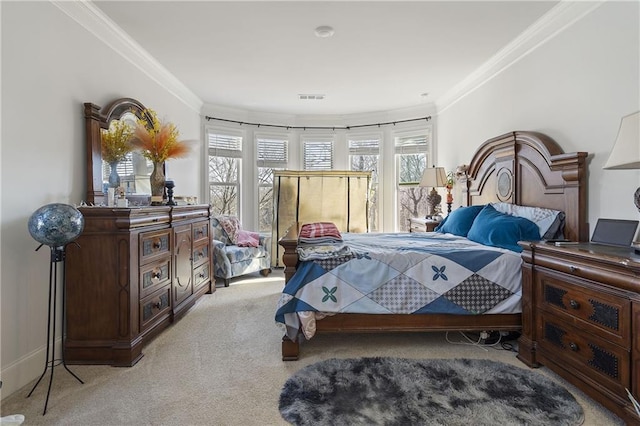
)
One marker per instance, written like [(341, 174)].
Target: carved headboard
[(530, 169)]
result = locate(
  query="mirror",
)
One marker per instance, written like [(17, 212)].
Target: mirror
[(135, 169)]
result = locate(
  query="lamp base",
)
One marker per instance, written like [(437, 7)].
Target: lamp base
[(433, 199), (636, 198)]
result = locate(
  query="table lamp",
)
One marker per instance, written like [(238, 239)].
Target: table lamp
[(625, 154), (434, 177)]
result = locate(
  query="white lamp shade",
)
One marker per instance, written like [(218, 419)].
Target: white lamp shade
[(434, 176), (626, 150)]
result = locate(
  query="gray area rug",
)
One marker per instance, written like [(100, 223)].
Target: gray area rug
[(398, 391)]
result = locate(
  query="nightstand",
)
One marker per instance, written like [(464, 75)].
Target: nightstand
[(417, 224), (581, 319)]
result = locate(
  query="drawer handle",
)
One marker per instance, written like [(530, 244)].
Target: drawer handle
[(201, 275), (574, 304), (573, 347), (573, 269), (157, 305), (156, 245), (157, 275)]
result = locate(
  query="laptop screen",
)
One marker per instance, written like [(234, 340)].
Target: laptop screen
[(615, 232)]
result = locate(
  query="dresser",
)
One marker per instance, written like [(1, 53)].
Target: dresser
[(417, 224), (132, 273), (581, 319)]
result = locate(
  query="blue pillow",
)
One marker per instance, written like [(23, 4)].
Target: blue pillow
[(459, 221), (497, 229)]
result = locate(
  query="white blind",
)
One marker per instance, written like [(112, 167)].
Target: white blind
[(412, 145), (364, 147), (221, 145), (318, 155), (273, 153)]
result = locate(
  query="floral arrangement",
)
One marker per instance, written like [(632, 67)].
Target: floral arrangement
[(157, 140), (449, 186), (115, 141), (450, 180)]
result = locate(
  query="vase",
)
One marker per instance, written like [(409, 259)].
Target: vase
[(114, 178), (157, 183)]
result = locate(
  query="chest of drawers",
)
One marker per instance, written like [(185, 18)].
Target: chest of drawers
[(132, 273), (581, 319)]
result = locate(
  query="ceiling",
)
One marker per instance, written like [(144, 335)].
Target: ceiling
[(261, 55)]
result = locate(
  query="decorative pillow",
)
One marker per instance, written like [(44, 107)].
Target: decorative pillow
[(497, 229), (231, 226), (247, 239), (459, 221), (550, 222)]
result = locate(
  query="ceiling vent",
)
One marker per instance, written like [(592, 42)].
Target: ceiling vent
[(310, 97)]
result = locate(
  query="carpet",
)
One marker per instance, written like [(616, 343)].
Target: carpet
[(398, 391)]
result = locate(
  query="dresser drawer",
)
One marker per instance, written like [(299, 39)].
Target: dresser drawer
[(201, 231), (154, 245), (584, 354), (200, 254), (153, 307), (589, 307), (153, 276), (201, 275)]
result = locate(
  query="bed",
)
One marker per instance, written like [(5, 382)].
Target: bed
[(517, 168)]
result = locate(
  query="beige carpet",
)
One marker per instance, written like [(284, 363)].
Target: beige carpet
[(221, 365)]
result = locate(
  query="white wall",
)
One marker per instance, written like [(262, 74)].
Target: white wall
[(50, 67), (575, 88)]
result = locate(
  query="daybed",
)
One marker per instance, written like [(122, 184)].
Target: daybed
[(520, 168)]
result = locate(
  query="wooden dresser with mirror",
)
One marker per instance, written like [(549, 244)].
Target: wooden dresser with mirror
[(134, 270)]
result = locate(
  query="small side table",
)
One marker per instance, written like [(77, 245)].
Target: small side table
[(418, 224)]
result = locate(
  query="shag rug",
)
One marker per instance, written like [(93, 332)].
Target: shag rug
[(398, 391)]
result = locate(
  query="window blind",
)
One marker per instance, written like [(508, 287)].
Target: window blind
[(273, 153), (318, 155), (221, 145), (364, 147), (412, 145)]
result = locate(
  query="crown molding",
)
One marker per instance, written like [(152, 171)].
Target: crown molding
[(85, 13), (555, 21)]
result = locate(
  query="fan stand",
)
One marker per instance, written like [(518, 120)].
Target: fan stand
[(57, 255)]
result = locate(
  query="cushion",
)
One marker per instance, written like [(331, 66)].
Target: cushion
[(459, 221), (550, 222), (231, 226), (502, 230), (247, 239)]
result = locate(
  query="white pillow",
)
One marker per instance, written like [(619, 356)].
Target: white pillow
[(550, 222)]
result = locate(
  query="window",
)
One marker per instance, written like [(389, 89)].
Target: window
[(364, 155), (318, 154), (412, 156), (272, 155), (225, 156)]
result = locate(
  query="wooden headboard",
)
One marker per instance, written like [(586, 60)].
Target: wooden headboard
[(530, 169)]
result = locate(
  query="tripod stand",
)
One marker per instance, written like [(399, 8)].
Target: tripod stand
[(57, 256)]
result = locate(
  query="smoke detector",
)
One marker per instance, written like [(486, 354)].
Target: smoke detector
[(324, 31)]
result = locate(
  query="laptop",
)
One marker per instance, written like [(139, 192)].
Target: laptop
[(614, 232)]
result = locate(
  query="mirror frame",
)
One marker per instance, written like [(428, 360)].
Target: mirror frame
[(96, 119)]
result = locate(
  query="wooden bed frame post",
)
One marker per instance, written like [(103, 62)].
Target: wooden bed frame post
[(290, 349)]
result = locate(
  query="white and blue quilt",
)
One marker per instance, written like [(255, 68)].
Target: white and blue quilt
[(401, 273)]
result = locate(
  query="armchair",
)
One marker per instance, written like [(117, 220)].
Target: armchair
[(232, 260)]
